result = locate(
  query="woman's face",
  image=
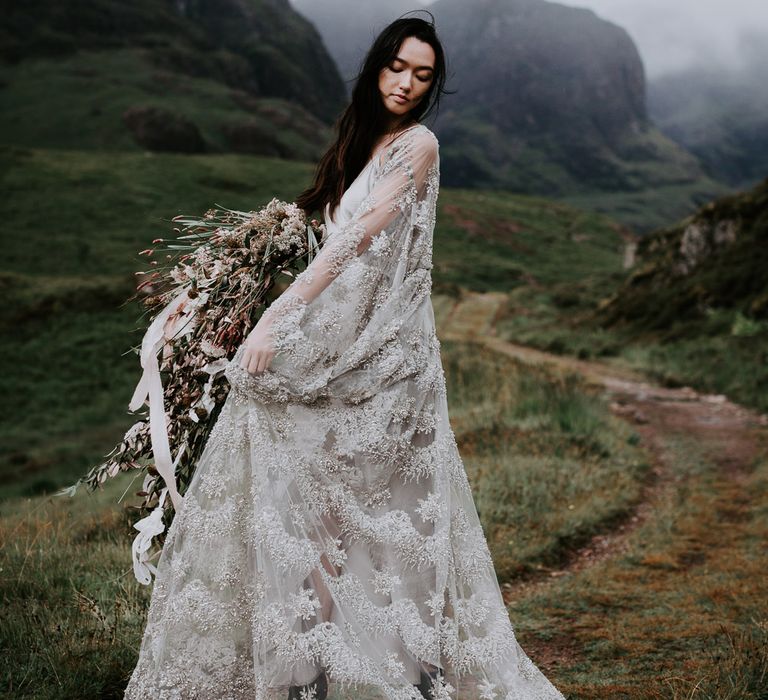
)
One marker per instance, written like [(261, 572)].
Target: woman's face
[(408, 76)]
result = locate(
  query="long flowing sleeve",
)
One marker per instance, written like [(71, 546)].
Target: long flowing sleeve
[(368, 277), (400, 185)]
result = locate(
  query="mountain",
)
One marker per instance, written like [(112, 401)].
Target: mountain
[(551, 100), (720, 115), (560, 106), (187, 75), (348, 27), (712, 261)]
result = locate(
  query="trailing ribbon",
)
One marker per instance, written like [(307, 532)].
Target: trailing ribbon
[(163, 327), (148, 527)]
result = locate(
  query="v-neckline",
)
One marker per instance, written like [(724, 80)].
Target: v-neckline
[(368, 165)]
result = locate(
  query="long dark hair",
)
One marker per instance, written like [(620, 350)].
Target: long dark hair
[(365, 118)]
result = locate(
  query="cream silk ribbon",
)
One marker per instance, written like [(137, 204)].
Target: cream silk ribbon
[(148, 527), (179, 314), (177, 319)]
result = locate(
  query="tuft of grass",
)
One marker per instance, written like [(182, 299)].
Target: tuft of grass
[(682, 612), (72, 610), (737, 668), (549, 465)]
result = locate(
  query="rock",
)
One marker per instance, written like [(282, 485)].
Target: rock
[(702, 238), (158, 129), (254, 138)]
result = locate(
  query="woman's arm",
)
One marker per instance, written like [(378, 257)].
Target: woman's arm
[(399, 185)]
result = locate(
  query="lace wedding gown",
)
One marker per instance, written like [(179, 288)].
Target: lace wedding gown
[(329, 525)]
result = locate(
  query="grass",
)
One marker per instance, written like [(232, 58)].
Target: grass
[(73, 612), (89, 213), (89, 91), (495, 241), (646, 209), (548, 464), (725, 354), (76, 222), (682, 614)]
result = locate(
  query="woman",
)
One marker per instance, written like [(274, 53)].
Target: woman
[(328, 544)]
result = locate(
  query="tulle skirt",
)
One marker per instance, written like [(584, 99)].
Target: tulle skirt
[(331, 538)]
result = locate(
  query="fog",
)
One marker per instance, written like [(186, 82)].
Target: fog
[(673, 36)]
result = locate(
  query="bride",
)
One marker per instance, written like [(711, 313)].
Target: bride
[(328, 543)]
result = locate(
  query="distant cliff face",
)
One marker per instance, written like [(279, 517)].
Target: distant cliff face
[(551, 99), (552, 96), (349, 27), (537, 68)]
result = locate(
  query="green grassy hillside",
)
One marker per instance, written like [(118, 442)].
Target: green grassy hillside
[(75, 221), (75, 102), (226, 75), (550, 467), (694, 309), (78, 220)]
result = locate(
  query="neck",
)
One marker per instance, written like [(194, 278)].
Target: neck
[(398, 123)]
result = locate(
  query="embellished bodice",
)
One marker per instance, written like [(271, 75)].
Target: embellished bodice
[(351, 199)]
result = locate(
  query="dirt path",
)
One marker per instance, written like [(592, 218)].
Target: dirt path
[(730, 434)]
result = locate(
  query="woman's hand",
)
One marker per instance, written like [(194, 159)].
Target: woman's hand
[(259, 347)]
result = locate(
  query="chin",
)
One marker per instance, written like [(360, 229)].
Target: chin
[(399, 109)]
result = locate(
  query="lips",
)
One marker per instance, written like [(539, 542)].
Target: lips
[(400, 98)]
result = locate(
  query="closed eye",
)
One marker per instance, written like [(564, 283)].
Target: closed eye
[(421, 78)]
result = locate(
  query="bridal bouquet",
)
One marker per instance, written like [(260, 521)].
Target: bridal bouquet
[(206, 295)]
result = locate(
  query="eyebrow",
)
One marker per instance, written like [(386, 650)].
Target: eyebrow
[(397, 58)]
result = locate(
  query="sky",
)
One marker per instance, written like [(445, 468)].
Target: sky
[(678, 34)]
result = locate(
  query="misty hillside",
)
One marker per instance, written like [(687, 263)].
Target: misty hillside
[(719, 115), (348, 27), (550, 100), (183, 75)]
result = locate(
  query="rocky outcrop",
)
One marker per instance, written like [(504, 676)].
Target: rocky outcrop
[(159, 129), (715, 259), (702, 239)]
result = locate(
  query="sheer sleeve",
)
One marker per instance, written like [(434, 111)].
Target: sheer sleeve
[(399, 185), (321, 338)]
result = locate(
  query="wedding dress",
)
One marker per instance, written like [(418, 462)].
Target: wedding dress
[(329, 526)]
